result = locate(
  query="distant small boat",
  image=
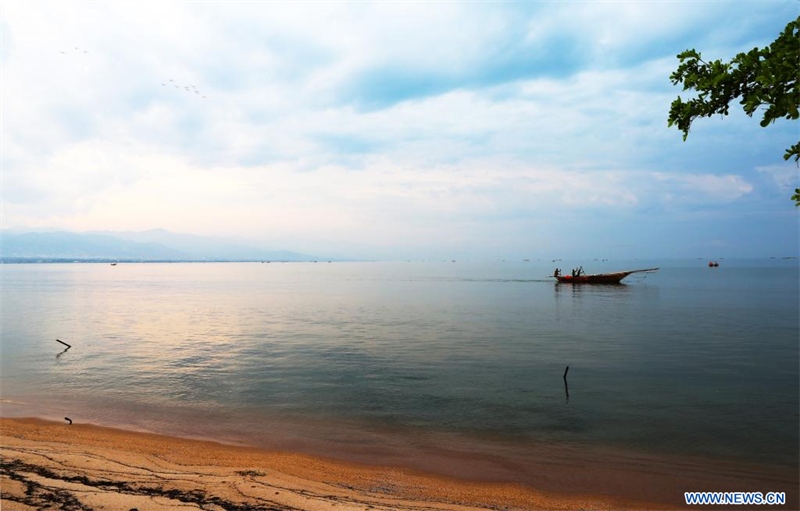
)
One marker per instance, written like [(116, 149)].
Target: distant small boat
[(113, 264), (599, 278)]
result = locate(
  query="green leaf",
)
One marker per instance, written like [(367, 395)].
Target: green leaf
[(762, 77)]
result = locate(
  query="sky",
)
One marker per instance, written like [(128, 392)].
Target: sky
[(392, 130)]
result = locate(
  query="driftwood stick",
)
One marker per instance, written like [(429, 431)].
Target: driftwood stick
[(68, 419), (65, 344)]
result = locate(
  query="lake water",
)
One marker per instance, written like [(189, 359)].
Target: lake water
[(416, 364)]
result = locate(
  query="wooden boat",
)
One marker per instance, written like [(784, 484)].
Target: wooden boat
[(599, 278)]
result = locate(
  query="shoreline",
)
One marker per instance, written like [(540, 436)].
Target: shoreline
[(93, 464), (95, 467)]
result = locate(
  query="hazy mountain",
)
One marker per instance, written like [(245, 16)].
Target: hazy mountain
[(155, 245), (206, 247)]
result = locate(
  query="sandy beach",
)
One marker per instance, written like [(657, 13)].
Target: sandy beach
[(52, 465), (49, 465)]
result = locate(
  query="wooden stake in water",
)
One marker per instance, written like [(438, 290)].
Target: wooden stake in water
[(65, 344)]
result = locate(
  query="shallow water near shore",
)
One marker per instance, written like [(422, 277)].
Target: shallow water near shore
[(455, 367)]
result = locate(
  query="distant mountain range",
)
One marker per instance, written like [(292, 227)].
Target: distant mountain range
[(154, 245)]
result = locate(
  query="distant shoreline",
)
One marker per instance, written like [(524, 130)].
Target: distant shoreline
[(69, 260), (72, 260)]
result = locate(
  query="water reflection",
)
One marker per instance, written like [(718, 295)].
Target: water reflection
[(593, 289), (430, 347)]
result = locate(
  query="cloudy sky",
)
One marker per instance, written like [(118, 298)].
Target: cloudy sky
[(392, 130)]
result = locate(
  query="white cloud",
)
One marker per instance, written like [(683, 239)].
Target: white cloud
[(785, 177), (480, 134), (704, 188)]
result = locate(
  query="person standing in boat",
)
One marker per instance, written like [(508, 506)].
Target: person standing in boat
[(557, 273)]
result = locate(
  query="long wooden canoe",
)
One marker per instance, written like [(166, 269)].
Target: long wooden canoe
[(599, 278)]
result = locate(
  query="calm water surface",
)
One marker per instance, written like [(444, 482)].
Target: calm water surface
[(395, 361)]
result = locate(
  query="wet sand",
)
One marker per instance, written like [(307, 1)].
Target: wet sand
[(52, 465), (49, 465)]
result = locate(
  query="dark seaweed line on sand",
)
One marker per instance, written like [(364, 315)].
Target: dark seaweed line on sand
[(39, 496)]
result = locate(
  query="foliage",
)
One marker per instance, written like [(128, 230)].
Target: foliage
[(765, 77)]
